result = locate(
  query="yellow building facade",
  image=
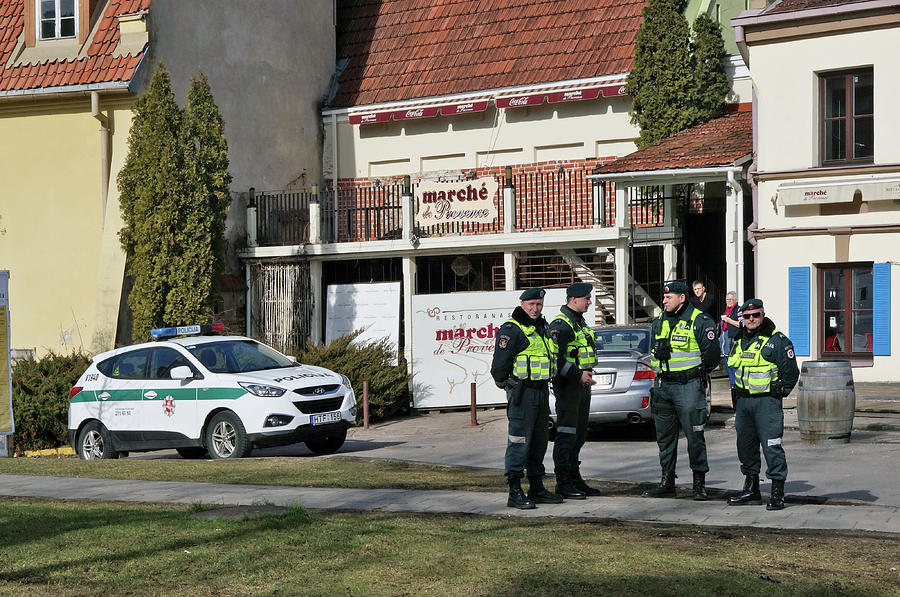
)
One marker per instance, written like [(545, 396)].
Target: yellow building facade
[(58, 232)]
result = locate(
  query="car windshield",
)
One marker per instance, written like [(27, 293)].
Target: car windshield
[(628, 339), (238, 356)]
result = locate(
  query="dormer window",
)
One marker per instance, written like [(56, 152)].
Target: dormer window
[(56, 18)]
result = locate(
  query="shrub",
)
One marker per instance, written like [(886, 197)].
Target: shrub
[(367, 361), (41, 399)]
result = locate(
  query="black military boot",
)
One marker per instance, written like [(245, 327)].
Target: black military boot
[(517, 497), (666, 487), (750, 495), (579, 484), (700, 487), (539, 494), (776, 498), (567, 489)]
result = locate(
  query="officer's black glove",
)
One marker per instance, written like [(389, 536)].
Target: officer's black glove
[(663, 350), (776, 387)]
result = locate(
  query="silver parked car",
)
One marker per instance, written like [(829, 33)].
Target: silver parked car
[(623, 375)]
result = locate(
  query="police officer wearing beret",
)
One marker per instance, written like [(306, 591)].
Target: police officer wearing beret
[(685, 348), (524, 363), (572, 388), (765, 372)]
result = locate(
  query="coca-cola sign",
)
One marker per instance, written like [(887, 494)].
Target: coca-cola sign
[(420, 112), (613, 90), (521, 101)]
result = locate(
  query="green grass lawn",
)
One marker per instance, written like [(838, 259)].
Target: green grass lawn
[(333, 471), (81, 548)]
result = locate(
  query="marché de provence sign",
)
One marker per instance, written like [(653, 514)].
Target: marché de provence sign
[(463, 201)]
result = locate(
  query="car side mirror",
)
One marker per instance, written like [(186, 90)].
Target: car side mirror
[(181, 372)]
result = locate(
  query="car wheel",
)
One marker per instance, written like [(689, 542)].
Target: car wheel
[(93, 443), (192, 453), (328, 443), (226, 437)]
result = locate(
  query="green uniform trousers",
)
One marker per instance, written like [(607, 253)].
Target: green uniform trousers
[(760, 421), (680, 406), (526, 444), (572, 407)]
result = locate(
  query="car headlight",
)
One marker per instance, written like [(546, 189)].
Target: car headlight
[(346, 381), (262, 390)]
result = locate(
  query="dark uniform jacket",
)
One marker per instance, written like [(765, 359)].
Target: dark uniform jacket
[(510, 342), (568, 375), (778, 350), (704, 332)]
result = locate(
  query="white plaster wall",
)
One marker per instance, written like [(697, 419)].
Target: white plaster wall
[(496, 137), (786, 79), (776, 255)]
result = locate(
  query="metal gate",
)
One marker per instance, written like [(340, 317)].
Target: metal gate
[(282, 301)]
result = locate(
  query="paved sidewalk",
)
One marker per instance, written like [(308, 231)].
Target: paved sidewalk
[(884, 519)]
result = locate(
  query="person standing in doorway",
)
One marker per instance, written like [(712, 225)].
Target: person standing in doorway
[(684, 350), (731, 325), (703, 300), (766, 372), (524, 363), (572, 389)]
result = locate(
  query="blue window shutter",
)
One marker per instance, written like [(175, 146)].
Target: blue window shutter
[(798, 309), (881, 309)]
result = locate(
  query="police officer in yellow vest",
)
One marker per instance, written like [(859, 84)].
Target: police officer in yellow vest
[(572, 388), (685, 348), (524, 363), (765, 372)]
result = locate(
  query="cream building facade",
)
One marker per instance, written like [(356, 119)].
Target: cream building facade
[(827, 197)]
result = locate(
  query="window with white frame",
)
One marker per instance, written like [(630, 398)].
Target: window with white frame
[(56, 18)]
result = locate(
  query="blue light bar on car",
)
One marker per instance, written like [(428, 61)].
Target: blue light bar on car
[(187, 330)]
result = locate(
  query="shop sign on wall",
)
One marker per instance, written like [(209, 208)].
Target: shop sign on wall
[(453, 344), (463, 201)]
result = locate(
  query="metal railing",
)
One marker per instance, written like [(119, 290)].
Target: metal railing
[(282, 218), (362, 214), (561, 200)]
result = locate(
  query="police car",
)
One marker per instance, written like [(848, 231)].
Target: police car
[(205, 396)]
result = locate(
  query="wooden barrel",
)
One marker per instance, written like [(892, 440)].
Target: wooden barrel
[(826, 402)]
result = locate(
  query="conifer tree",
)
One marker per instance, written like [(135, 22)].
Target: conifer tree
[(173, 195), (193, 273), (150, 186), (661, 84), (711, 82)]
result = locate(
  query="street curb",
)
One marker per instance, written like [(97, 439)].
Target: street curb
[(63, 451)]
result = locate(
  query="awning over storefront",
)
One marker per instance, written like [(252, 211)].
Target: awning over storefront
[(838, 191), (566, 95)]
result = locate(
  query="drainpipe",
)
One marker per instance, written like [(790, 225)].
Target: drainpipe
[(104, 152), (751, 176), (738, 194)]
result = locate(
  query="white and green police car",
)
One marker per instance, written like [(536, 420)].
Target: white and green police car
[(205, 396)]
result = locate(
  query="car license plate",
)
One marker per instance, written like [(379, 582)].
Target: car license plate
[(605, 380), (323, 418)]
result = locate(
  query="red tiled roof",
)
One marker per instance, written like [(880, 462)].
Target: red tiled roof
[(718, 142), (792, 5), (100, 66), (405, 49)]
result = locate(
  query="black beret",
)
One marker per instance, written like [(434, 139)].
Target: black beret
[(579, 289), (675, 287), (753, 303), (532, 294)]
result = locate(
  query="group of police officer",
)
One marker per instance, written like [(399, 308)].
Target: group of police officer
[(531, 353)]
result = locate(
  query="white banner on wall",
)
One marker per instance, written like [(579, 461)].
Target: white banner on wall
[(7, 425), (453, 344), (374, 308), (464, 201)]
